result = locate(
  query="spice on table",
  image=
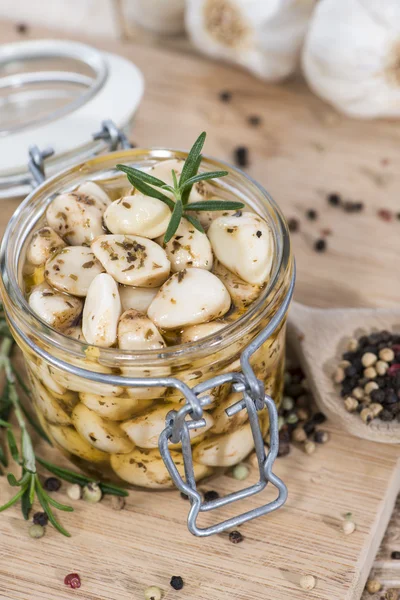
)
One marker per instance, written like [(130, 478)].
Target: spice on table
[(117, 502), (176, 582), (40, 518), (241, 155), (348, 526), (299, 435), (293, 224), (240, 472), (320, 245), (321, 437), (309, 447), (74, 491), (392, 594), (385, 214), (22, 28), (152, 593), (334, 199), (235, 537), (225, 96), (284, 441), (92, 493), (52, 484), (36, 531), (211, 495), (350, 206), (307, 582), (373, 586), (395, 555), (72, 580), (311, 214), (254, 120)]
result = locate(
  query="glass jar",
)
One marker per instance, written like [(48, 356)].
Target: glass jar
[(111, 431)]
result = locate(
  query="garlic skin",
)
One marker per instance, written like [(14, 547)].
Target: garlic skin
[(159, 16), (351, 56), (263, 36)]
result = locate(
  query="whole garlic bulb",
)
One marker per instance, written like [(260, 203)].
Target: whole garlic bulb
[(159, 16), (351, 56), (264, 36)]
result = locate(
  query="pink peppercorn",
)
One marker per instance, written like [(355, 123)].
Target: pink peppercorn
[(73, 580), (393, 369), (385, 214)]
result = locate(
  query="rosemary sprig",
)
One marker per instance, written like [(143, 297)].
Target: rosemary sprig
[(29, 482), (180, 190)]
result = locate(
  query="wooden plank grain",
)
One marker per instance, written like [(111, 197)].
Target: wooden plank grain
[(301, 151)]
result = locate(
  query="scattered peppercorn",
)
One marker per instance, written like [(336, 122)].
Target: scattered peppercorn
[(398, 216), (284, 441), (184, 496), (373, 586), (74, 491), (395, 555), (334, 199), (21, 28), (225, 96), (254, 120), (325, 232), (350, 206), (392, 594), (117, 502), (307, 582), (293, 225), (152, 593), (52, 484), (311, 214), (211, 495), (73, 580), (348, 527), (385, 214), (321, 437), (241, 155), (240, 472), (36, 531), (40, 518), (235, 537), (320, 245), (176, 582), (92, 493)]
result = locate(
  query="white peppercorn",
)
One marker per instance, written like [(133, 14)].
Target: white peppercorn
[(299, 435), (358, 393), (351, 404), (117, 502), (348, 527), (339, 375), (352, 345), (373, 586), (307, 582), (287, 403), (386, 354), (240, 472), (370, 373), (370, 387), (309, 447), (74, 491), (368, 359), (152, 593), (381, 367)]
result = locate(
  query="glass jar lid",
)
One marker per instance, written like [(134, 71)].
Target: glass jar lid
[(57, 94)]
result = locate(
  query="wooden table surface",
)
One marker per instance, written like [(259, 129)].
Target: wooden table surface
[(301, 151)]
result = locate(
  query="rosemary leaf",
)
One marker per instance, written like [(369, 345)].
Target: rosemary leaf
[(203, 177), (43, 499), (113, 490), (58, 505), (186, 192), (192, 162), (3, 458), (195, 222), (12, 444), (214, 205), (13, 500), (12, 480), (26, 504), (5, 424), (150, 191), (141, 175), (174, 222)]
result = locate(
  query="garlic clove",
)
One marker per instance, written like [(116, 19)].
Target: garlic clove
[(132, 260), (223, 423), (163, 170), (101, 312), (241, 292), (50, 408), (189, 297), (188, 248), (146, 468), (137, 298), (75, 383), (114, 408), (360, 75), (197, 332), (77, 218), (244, 244), (72, 442), (100, 433), (137, 332), (76, 333), (225, 450), (55, 309), (72, 270), (138, 215), (264, 37), (43, 244), (93, 190)]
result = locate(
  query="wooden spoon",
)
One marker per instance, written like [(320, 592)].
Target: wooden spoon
[(319, 337)]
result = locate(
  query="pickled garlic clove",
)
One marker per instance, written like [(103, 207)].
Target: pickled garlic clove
[(72, 270), (132, 260), (241, 292), (43, 244), (146, 468), (100, 433), (138, 332), (144, 430), (76, 333), (114, 408), (138, 215), (188, 248), (72, 442), (225, 450), (50, 408), (163, 170), (91, 189), (77, 218), (101, 312), (196, 332), (223, 423), (57, 310), (189, 297), (136, 297), (75, 383), (244, 244)]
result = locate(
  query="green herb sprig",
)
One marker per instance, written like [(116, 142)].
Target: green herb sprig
[(179, 205), (29, 484)]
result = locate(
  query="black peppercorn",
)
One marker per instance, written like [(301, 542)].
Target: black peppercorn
[(235, 537), (184, 496), (21, 28), (319, 418), (254, 120), (210, 495), (293, 225), (40, 518), (395, 555), (377, 396), (225, 96), (52, 484), (311, 214), (176, 582), (334, 199), (320, 245), (241, 155)]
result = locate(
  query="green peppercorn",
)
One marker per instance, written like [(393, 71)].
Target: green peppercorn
[(36, 531), (92, 493), (240, 472)]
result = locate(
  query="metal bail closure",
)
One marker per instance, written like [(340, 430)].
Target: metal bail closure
[(177, 430)]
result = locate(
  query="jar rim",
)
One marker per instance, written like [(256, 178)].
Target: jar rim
[(23, 316)]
